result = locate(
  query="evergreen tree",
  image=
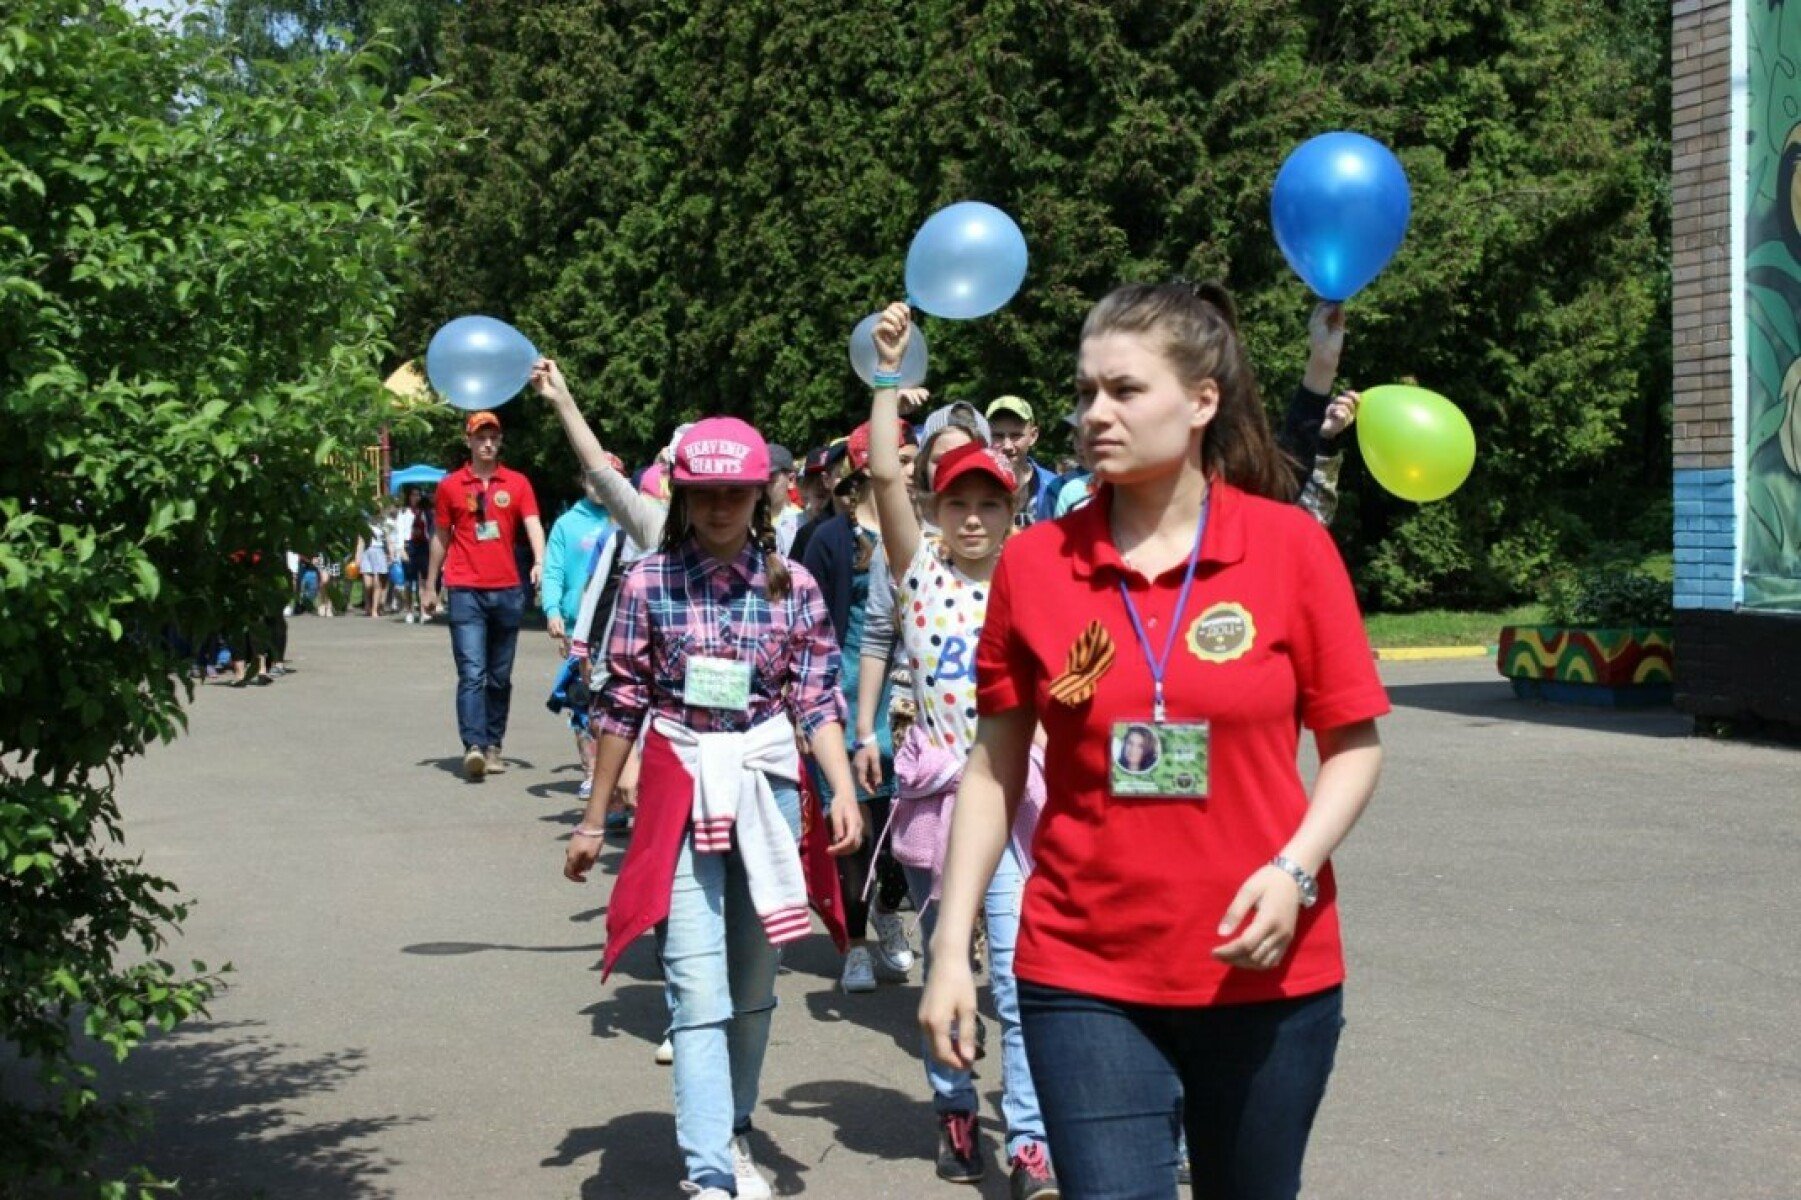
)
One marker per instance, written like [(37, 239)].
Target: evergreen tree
[(692, 202)]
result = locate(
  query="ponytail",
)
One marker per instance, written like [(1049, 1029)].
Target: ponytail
[(1197, 325)]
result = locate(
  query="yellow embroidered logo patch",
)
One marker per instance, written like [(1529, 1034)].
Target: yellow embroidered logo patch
[(1223, 633), (501, 499)]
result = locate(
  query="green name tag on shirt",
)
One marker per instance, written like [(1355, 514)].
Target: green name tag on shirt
[(717, 683), (1148, 759)]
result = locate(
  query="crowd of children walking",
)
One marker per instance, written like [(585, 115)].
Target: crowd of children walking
[(914, 670)]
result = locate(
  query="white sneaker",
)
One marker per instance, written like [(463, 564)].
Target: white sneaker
[(859, 972), (751, 1184), (695, 1190), (665, 1055), (893, 951)]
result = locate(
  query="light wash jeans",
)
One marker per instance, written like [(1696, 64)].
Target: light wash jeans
[(719, 972), (954, 1090)]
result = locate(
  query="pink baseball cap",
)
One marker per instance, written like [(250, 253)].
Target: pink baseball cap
[(651, 482), (721, 452)]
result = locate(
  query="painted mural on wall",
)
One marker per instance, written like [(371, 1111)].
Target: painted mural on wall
[(1772, 531)]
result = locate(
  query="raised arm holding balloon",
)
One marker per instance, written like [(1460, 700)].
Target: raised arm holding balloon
[(972, 498), (1313, 421), (641, 517), (892, 334)]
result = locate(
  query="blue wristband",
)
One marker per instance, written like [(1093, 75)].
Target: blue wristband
[(880, 380)]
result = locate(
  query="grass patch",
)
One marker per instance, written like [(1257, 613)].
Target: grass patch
[(1442, 627)]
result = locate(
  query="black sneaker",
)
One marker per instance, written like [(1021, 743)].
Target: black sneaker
[(958, 1158), (1031, 1177)]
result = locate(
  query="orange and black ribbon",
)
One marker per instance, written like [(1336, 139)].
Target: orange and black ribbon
[(1088, 660)]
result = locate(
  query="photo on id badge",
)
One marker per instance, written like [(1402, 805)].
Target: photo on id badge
[(1159, 760)]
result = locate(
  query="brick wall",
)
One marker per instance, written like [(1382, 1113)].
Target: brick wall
[(1706, 535), (1706, 554), (1701, 244)]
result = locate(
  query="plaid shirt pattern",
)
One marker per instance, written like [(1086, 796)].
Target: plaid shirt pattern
[(686, 603)]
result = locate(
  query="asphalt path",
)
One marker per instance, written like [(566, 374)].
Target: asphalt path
[(1573, 945)]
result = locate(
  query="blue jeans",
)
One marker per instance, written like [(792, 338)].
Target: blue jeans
[(1120, 1080), (954, 1090), (484, 632), (719, 976)]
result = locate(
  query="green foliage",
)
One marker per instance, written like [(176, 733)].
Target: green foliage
[(1611, 597), (196, 276), (690, 202), (281, 30)]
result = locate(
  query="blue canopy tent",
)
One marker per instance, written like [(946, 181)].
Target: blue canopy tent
[(418, 474)]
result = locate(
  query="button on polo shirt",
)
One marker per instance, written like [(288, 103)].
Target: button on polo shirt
[(506, 499), (1127, 893)]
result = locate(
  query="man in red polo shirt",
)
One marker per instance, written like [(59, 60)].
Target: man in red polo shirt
[(480, 509)]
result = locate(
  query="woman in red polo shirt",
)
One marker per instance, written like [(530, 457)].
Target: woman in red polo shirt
[(1180, 933)]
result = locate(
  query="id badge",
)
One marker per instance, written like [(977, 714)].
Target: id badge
[(1150, 759), (722, 683), (487, 531)]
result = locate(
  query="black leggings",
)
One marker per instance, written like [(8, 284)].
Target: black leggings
[(854, 870)]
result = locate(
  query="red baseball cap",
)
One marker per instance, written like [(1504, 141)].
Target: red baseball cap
[(721, 452), (858, 445), (972, 458), (478, 421)]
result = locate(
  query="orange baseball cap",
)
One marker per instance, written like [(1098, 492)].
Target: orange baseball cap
[(479, 421)]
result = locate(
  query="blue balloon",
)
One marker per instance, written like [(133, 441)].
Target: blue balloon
[(479, 362), (1340, 209), (862, 353), (966, 261)]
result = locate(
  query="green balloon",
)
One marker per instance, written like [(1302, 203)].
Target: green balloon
[(1416, 443)]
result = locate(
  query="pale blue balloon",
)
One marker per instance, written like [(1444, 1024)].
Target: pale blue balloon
[(1340, 209), (966, 261), (479, 362), (862, 353)]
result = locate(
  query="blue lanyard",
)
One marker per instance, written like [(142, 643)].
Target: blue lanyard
[(1159, 665)]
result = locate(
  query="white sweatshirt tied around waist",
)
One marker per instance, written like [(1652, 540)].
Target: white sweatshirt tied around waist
[(732, 796)]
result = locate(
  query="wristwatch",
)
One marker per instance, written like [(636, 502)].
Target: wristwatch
[(1308, 884)]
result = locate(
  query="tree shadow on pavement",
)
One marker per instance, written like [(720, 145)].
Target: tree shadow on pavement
[(892, 1011), (640, 962), (225, 1106), (450, 766), (869, 1120), (556, 790), (1488, 703), (638, 1157), (456, 949), (637, 1011)]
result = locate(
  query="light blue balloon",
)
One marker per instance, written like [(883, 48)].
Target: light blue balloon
[(966, 261), (479, 362), (863, 357), (1340, 208)]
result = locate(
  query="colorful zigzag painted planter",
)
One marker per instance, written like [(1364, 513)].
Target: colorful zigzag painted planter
[(1615, 668)]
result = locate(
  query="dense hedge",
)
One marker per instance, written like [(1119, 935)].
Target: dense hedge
[(691, 201)]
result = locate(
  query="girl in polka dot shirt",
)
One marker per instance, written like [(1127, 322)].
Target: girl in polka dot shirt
[(941, 598)]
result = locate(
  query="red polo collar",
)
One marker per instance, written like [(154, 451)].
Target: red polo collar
[(1089, 540)]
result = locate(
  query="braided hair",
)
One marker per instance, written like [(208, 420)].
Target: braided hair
[(762, 532)]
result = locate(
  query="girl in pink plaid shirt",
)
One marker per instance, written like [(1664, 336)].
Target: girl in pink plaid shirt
[(726, 649)]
